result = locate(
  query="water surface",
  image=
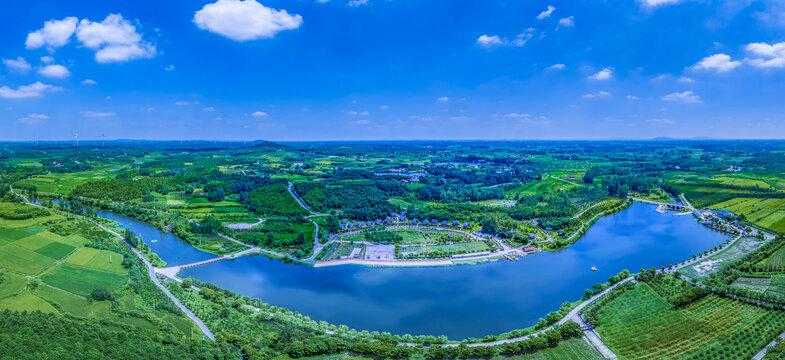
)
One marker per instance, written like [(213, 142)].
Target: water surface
[(468, 300)]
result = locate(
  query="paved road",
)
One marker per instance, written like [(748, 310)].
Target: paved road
[(150, 268)]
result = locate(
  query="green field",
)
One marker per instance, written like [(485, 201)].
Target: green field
[(767, 213), (12, 284), (23, 261), (757, 284), (714, 263), (81, 280), (95, 259), (64, 300), (571, 349), (26, 302), (63, 184), (640, 324)]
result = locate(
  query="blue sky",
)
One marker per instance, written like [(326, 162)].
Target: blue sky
[(392, 69)]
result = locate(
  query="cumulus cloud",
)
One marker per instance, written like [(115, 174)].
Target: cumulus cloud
[(169, 68), (361, 122), (686, 79), (186, 103), (88, 82), (54, 71), (546, 13), (443, 99), (599, 94), (114, 39), (717, 62), (259, 114), (766, 56), (603, 74), (686, 97), (557, 67), (517, 115), (567, 22), (98, 114), (244, 20), (384, 107), (47, 59), (36, 89), (209, 108), (19, 65), (632, 97), (54, 34), (33, 119), (489, 41), (356, 3)]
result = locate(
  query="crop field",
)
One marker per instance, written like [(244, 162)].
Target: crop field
[(12, 284), (342, 251), (640, 324), (63, 184), (777, 285), (64, 300), (26, 302), (767, 213), (572, 349), (546, 185), (82, 280), (23, 261), (776, 259), (276, 200), (717, 261), (757, 284), (95, 259), (199, 207)]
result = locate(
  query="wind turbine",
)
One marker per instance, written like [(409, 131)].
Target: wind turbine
[(76, 139)]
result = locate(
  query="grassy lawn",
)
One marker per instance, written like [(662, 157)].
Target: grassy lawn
[(55, 250), (640, 324), (81, 280), (717, 261)]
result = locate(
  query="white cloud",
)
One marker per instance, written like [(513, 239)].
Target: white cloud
[(356, 3), (547, 13), (517, 115), (443, 99), (36, 89), (603, 74), (663, 121), (767, 56), (54, 71), (686, 79), (361, 122), (632, 97), (169, 68), (717, 62), (54, 34), (567, 22), (686, 97), (47, 59), (384, 107), (557, 67), (98, 114), (19, 65), (494, 40), (259, 114), (460, 118), (33, 119), (186, 103), (489, 41), (209, 108), (114, 39), (88, 82), (656, 3), (350, 112), (244, 20), (599, 94)]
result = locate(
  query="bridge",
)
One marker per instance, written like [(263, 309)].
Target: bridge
[(674, 207), (171, 271)]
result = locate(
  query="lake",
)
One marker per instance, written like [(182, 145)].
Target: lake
[(457, 301)]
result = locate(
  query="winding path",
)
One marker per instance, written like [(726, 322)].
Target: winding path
[(150, 268)]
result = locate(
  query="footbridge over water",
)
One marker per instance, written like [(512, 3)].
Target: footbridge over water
[(171, 271)]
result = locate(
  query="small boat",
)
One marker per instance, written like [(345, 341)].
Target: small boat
[(593, 268)]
